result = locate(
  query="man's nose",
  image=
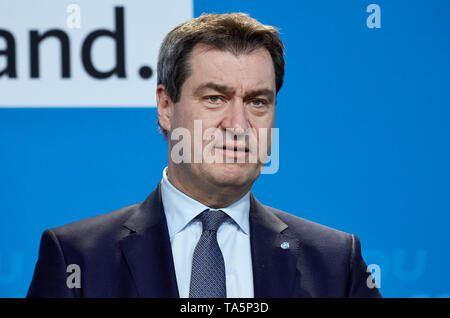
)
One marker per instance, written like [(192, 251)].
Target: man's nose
[(236, 117)]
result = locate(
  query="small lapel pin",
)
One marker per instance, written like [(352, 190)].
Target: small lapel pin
[(284, 245)]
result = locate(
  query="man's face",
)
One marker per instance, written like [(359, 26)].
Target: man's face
[(227, 93)]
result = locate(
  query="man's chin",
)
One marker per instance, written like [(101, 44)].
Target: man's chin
[(233, 174)]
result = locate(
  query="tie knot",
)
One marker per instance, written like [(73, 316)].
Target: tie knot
[(211, 220)]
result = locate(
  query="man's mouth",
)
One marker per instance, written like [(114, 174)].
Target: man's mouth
[(233, 148)]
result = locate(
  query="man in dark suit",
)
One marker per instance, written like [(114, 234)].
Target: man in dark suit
[(202, 233)]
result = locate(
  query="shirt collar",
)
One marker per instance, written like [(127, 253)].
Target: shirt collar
[(181, 209)]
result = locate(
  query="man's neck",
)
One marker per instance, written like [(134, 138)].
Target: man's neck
[(207, 193)]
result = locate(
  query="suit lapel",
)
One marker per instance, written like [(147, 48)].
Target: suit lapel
[(274, 267), (146, 247), (147, 250)]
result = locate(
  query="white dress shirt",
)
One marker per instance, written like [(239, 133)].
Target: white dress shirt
[(233, 237)]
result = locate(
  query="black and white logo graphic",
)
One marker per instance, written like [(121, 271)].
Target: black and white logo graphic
[(57, 53)]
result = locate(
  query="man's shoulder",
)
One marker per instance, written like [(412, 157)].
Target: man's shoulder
[(312, 233), (99, 228)]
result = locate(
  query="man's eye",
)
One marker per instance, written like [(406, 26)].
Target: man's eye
[(258, 103), (214, 99)]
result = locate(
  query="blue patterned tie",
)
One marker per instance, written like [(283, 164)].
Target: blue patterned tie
[(208, 267)]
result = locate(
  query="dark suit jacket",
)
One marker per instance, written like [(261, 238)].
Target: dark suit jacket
[(127, 253)]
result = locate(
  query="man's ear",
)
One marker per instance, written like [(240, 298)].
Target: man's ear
[(165, 107)]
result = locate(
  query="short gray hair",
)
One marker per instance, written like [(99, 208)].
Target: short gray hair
[(234, 32)]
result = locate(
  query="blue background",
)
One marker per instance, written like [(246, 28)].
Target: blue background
[(364, 143)]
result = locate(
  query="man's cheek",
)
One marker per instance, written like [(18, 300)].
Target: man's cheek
[(264, 144)]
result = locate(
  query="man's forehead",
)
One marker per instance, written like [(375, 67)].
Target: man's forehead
[(202, 51), (225, 71)]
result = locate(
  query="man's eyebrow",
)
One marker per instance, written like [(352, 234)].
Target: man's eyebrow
[(262, 92), (217, 87), (269, 93)]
